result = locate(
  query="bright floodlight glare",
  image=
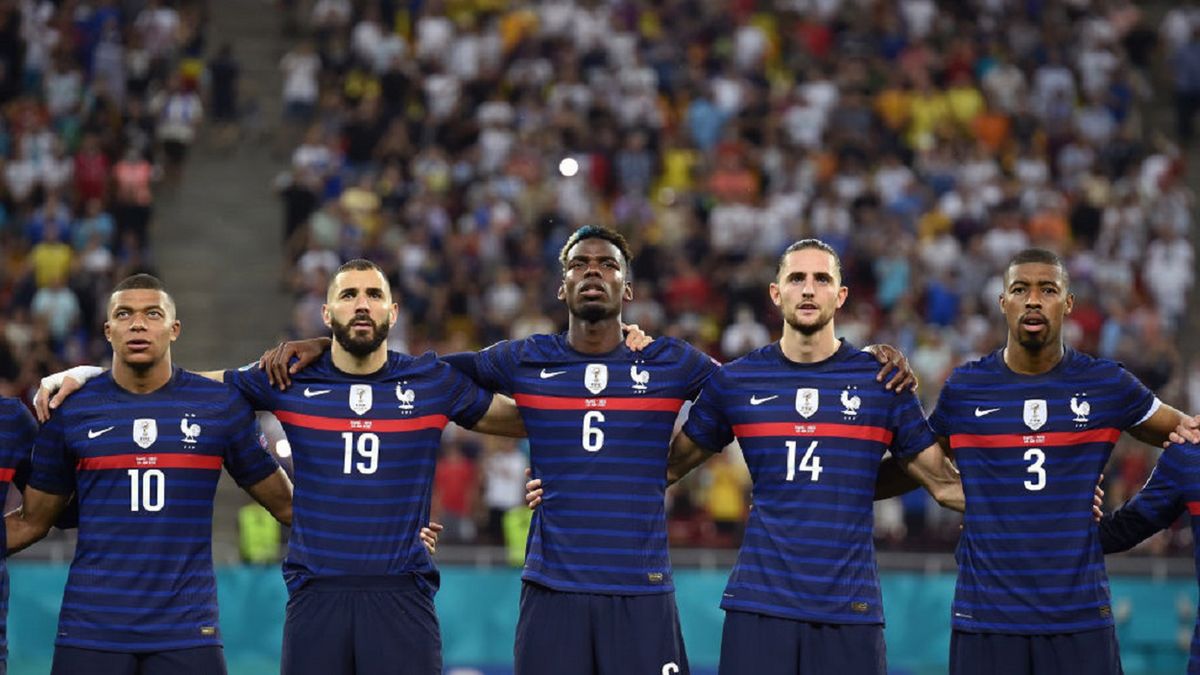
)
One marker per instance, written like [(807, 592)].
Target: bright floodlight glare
[(283, 448), (568, 167)]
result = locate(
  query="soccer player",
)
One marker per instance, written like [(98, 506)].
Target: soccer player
[(1173, 488), (365, 426), (814, 425), (1031, 426), (142, 449), (17, 430)]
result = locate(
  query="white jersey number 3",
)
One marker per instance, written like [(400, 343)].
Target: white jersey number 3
[(1038, 458)]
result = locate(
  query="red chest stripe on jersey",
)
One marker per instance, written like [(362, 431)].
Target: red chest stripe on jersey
[(1049, 438), (150, 461), (598, 403), (1194, 508), (854, 431), (344, 424), (6, 475)]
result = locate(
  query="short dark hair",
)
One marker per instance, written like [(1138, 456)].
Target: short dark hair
[(597, 232), (805, 244), (359, 265), (138, 282), (143, 282), (1038, 256)]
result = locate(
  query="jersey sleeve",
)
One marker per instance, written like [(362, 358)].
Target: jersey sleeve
[(53, 464), (707, 424), (495, 366), (468, 401), (1155, 507), (1141, 401), (16, 439), (939, 420), (252, 383), (911, 433), (246, 456), (700, 369)]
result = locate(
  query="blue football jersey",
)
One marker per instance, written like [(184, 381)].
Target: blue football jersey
[(364, 449), (599, 431), (17, 430), (1173, 488), (144, 469), (813, 435), (1030, 449)]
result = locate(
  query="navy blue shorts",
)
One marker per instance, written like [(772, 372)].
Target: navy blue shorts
[(356, 625), (1093, 652), (757, 644), (560, 633), (195, 661)]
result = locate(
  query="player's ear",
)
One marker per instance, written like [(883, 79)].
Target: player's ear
[(562, 292), (326, 316), (176, 328), (773, 291), (843, 293), (628, 294), (393, 314), (1070, 302), (107, 331)]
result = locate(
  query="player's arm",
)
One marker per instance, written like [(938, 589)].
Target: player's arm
[(932, 469), (1153, 508), (275, 494), (32, 520), (1167, 425), (503, 418), (58, 387), (893, 479), (685, 455)]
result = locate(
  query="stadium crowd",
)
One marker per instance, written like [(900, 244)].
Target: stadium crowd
[(927, 142), (98, 103)]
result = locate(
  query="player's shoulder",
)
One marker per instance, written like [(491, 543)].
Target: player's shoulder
[(16, 416), (985, 368), (669, 348), (1080, 364), (534, 349)]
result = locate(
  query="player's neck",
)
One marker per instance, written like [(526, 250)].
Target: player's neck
[(801, 348), (358, 365), (594, 337), (142, 380), (1025, 362)]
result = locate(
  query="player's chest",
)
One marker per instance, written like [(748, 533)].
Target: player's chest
[(180, 431), (1043, 410), (777, 400), (392, 400), (633, 378)]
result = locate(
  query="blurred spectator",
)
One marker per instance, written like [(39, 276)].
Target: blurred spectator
[(503, 484), (455, 486)]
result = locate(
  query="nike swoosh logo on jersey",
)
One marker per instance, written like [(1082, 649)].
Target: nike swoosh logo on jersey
[(754, 400), (547, 374), (981, 413), (97, 434), (309, 393)]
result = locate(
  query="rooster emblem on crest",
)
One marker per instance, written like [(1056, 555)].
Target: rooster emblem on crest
[(640, 377), (190, 430), (405, 396), (1081, 408), (850, 404)]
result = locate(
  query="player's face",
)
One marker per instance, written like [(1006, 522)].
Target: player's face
[(594, 283), (1035, 301), (141, 326), (359, 310), (809, 290)]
